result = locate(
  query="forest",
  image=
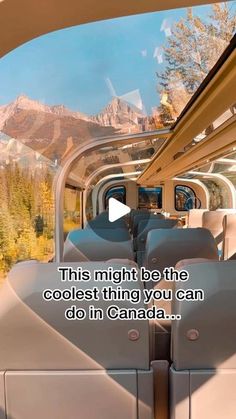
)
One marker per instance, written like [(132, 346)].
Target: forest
[(26, 214), (191, 51)]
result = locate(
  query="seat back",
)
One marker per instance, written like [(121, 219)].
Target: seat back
[(202, 376), (87, 244), (164, 248), (229, 237), (101, 221), (214, 318), (81, 368), (213, 221), (195, 218), (134, 212), (144, 217), (152, 224)]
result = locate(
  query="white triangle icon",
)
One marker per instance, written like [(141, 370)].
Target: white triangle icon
[(116, 210)]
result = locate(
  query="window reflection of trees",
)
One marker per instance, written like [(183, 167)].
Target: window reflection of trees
[(218, 194)]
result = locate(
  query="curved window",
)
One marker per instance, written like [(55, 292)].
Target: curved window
[(150, 198), (219, 177), (118, 155), (117, 192), (86, 83), (218, 192), (185, 198)]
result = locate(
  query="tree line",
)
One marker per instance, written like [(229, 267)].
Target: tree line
[(26, 214), (195, 45)]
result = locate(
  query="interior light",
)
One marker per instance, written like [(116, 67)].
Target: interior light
[(199, 137)]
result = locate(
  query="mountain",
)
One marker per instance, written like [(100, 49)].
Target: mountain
[(25, 103), (56, 130), (119, 114)]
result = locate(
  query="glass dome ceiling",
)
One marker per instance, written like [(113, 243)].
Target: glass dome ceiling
[(116, 158)]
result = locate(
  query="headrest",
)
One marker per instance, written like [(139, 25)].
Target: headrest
[(82, 245), (213, 221), (135, 212), (144, 216), (195, 217), (102, 221), (145, 226), (229, 224), (205, 336), (229, 237), (164, 248)]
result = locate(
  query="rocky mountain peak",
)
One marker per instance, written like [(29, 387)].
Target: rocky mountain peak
[(119, 113)]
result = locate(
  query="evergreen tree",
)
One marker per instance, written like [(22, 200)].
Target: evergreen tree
[(26, 215), (191, 52), (8, 247)]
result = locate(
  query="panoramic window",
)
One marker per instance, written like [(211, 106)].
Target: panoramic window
[(218, 192), (185, 198), (80, 84), (117, 192), (77, 85), (219, 179), (150, 198)]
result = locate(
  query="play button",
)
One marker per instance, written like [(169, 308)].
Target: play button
[(116, 210), (111, 224)]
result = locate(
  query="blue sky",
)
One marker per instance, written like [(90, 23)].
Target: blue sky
[(71, 66)]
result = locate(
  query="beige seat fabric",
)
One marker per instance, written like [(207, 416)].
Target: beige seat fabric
[(229, 237), (164, 248), (203, 375), (45, 339), (52, 367), (213, 221), (195, 218), (214, 318), (166, 305), (83, 245), (186, 262)]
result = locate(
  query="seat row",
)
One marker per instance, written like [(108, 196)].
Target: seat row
[(100, 360), (156, 242), (222, 225)]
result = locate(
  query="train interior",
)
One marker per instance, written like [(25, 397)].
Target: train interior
[(161, 141)]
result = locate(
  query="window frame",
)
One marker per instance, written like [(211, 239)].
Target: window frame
[(111, 187), (185, 186)]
